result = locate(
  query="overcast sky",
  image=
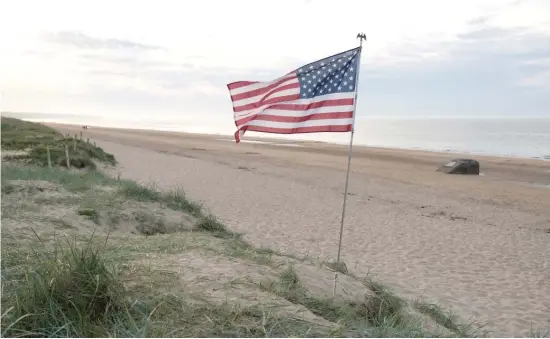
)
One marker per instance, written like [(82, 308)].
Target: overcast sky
[(172, 59)]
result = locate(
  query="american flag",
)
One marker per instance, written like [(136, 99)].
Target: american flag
[(317, 97)]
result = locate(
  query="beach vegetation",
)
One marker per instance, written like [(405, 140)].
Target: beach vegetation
[(87, 255), (32, 143)]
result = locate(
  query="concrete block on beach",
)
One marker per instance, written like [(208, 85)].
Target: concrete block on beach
[(460, 166)]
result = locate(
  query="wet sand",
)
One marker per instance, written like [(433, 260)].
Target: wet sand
[(479, 245)]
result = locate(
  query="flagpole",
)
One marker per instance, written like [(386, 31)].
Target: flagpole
[(361, 37)]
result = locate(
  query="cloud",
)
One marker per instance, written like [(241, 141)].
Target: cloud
[(81, 40), (430, 57), (541, 80), (489, 33), (479, 20), (536, 73)]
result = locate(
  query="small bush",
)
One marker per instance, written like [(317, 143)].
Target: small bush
[(149, 224), (77, 161), (339, 266), (95, 152), (90, 213), (7, 188)]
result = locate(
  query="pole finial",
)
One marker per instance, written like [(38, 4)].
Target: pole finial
[(361, 36)]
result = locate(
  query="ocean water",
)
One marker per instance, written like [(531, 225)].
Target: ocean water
[(514, 137), (504, 137)]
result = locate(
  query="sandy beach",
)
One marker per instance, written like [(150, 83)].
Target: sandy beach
[(479, 245)]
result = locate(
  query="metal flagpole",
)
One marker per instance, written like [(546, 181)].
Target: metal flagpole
[(361, 37)]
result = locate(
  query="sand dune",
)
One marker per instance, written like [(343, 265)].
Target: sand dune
[(477, 244)]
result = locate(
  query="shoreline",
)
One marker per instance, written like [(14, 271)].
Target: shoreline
[(279, 141), (501, 173)]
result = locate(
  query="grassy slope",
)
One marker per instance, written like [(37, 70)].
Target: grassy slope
[(32, 140), (80, 273)]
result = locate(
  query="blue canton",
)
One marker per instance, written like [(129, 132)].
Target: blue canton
[(335, 74)]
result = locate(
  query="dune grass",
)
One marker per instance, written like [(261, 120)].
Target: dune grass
[(74, 290), (71, 293), (66, 287), (450, 320), (20, 135), (34, 141), (71, 181), (382, 315)]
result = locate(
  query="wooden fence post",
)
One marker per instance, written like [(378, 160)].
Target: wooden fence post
[(49, 157), (67, 156)]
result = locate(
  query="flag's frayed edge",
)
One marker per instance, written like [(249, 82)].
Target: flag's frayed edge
[(238, 135)]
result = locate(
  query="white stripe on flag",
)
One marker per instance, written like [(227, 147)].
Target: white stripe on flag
[(258, 85), (309, 123), (265, 96)]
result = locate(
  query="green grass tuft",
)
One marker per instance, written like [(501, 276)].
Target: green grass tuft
[(67, 294), (449, 320), (7, 188), (138, 192), (90, 213), (211, 224), (380, 315), (70, 290), (337, 266), (149, 224), (385, 305), (176, 200), (71, 181), (540, 333)]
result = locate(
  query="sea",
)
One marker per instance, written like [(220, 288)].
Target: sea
[(510, 137)]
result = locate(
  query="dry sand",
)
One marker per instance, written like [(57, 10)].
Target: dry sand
[(479, 245)]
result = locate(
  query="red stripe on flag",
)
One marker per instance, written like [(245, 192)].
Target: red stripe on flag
[(281, 118), (266, 89), (238, 84), (306, 107)]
